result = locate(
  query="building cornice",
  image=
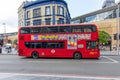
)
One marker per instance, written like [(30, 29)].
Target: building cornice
[(32, 3)]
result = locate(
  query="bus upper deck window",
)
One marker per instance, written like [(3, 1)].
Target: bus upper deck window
[(25, 31), (89, 29)]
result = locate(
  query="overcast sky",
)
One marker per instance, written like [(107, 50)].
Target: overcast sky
[(9, 9)]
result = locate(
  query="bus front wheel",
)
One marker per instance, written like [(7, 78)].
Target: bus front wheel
[(77, 55), (35, 55)]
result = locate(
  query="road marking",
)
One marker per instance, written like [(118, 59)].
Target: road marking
[(45, 61), (6, 75), (81, 61), (76, 61), (113, 60)]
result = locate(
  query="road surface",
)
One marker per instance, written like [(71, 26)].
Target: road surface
[(105, 68)]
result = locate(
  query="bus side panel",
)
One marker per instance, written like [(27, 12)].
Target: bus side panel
[(87, 53), (22, 49), (92, 53), (54, 53), (82, 48)]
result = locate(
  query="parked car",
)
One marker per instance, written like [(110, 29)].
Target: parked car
[(8, 47)]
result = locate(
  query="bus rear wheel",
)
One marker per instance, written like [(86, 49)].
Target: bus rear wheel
[(77, 55), (35, 55)]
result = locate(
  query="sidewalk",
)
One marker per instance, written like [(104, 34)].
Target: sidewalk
[(13, 51), (102, 53), (109, 53)]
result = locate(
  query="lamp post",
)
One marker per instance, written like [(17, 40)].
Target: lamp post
[(118, 25), (4, 25)]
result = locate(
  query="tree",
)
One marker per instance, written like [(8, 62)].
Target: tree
[(15, 41), (104, 37)]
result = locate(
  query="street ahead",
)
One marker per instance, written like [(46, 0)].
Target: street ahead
[(105, 67)]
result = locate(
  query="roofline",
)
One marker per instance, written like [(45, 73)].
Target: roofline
[(96, 12), (42, 1)]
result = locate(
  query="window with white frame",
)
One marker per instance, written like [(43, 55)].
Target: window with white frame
[(47, 10), (28, 15), (48, 21), (37, 12), (60, 10), (60, 21), (27, 23), (37, 22)]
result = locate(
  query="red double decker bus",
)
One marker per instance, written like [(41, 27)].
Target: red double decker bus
[(59, 41)]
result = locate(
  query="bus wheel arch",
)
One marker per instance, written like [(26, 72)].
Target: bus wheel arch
[(77, 55), (35, 55)]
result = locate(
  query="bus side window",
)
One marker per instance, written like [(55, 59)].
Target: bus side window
[(44, 44), (93, 29), (25, 31), (91, 44), (52, 29), (89, 28), (38, 45), (35, 30), (76, 29), (28, 44), (65, 29), (43, 30)]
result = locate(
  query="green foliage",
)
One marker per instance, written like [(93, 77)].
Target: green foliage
[(103, 37), (15, 41)]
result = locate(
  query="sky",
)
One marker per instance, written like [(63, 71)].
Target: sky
[(9, 11)]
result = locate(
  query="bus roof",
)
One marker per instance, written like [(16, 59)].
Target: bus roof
[(58, 25)]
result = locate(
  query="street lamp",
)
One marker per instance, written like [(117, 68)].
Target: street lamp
[(118, 25), (4, 25)]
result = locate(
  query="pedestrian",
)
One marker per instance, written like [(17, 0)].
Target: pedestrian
[(114, 47), (110, 48)]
